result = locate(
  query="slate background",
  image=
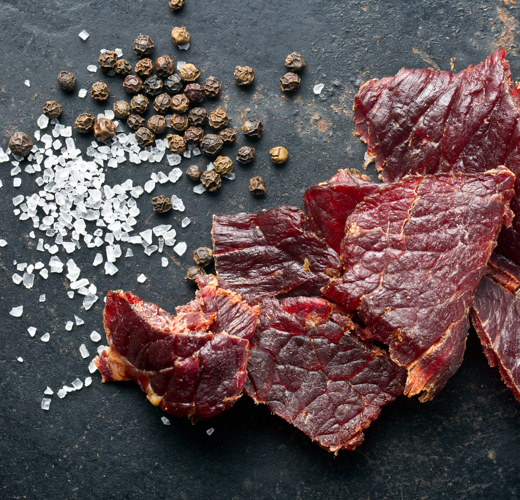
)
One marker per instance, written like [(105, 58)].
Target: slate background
[(107, 441)]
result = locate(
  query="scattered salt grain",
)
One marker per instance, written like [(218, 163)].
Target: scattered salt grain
[(180, 64), (32, 331), (46, 403), (45, 337), (210, 431), (43, 121), (185, 222), (62, 393), (101, 348), (17, 182), (165, 421), (20, 360), (27, 83), (83, 35), (48, 391), (78, 321), (83, 351), (119, 52), (199, 189), (92, 367), (94, 336), (89, 301), (88, 381), (17, 279), (177, 203), (77, 384), (92, 68), (44, 273), (70, 294), (141, 278), (42, 298), (195, 151), (318, 88), (109, 114), (82, 93), (147, 236), (180, 248), (129, 253), (110, 269), (98, 259), (231, 176), (173, 159), (69, 326), (164, 261), (186, 46), (28, 280), (16, 311), (149, 250), (149, 186), (187, 153)]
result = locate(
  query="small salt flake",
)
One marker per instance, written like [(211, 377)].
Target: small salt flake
[(186, 46), (42, 298), (98, 259), (110, 269), (165, 421), (17, 182), (48, 391), (164, 261), (88, 381), (69, 326), (17, 279), (46, 403), (141, 278), (19, 359), (43, 121), (129, 253), (27, 83), (195, 151), (210, 431), (83, 351), (70, 294), (173, 159), (92, 68), (78, 321), (185, 222), (77, 384), (84, 35), (149, 186), (318, 88), (180, 64), (177, 203), (180, 248), (89, 301), (230, 176), (82, 93), (94, 336), (119, 52), (16, 311), (62, 393), (32, 331), (45, 337), (101, 348), (199, 189), (92, 367)]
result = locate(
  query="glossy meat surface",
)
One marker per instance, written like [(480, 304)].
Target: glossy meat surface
[(413, 254), (309, 369)]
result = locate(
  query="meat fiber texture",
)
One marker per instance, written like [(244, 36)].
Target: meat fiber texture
[(192, 364), (424, 122), (309, 369), (413, 255), (271, 253)]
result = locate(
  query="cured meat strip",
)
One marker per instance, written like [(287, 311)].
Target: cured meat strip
[(309, 369), (414, 253), (425, 122), (187, 364), (269, 253)]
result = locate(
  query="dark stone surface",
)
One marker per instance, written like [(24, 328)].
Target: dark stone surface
[(107, 441)]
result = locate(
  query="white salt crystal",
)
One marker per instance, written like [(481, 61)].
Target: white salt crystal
[(48, 391), (77, 384), (18, 199), (46, 403), (161, 229), (185, 222), (195, 151), (180, 248), (110, 269), (27, 83), (66, 131), (62, 393), (141, 278), (149, 250), (177, 203), (129, 253), (230, 176), (42, 297), (16, 311), (165, 421), (45, 337), (28, 280), (92, 367), (101, 348), (83, 351), (43, 121), (94, 336), (17, 279), (149, 186), (89, 301), (180, 64), (119, 52), (147, 236), (83, 35), (98, 259), (173, 159), (82, 93), (19, 359), (17, 182), (210, 166), (69, 325), (164, 261), (187, 153), (199, 189), (69, 246), (44, 273), (70, 294), (78, 321), (88, 381), (92, 68), (318, 88), (32, 331), (175, 175), (109, 114), (210, 431)]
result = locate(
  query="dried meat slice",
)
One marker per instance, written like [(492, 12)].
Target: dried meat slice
[(414, 253), (188, 364), (309, 369), (271, 253)]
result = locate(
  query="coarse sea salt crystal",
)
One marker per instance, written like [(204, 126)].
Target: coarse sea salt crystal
[(45, 337), (195, 151), (98, 259), (69, 325), (119, 52), (180, 64), (82, 93), (88, 381), (210, 431), (165, 421), (77, 384), (84, 35), (32, 331), (28, 280), (92, 68), (149, 186), (173, 159), (185, 222), (199, 189), (147, 236), (17, 182), (177, 203), (180, 248), (92, 367), (43, 121), (175, 175), (141, 278), (101, 348), (46, 403), (89, 301), (129, 253), (16, 311), (186, 46), (318, 88), (19, 359), (48, 391), (110, 269), (42, 298), (78, 321), (164, 261), (27, 82), (83, 351), (17, 279), (70, 294), (231, 176), (95, 336)]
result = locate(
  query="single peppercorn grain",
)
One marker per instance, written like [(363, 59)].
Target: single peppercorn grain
[(194, 172), (121, 110), (52, 109), (67, 80), (180, 36), (143, 45), (195, 93), (162, 103), (133, 84), (144, 137), (189, 73), (176, 143), (84, 123), (153, 85), (192, 273), (290, 82), (176, 4), (256, 186), (139, 104), (174, 84), (244, 75), (198, 116), (218, 119), (107, 61), (193, 135), (144, 67), (157, 124), (178, 122), (104, 129), (228, 135), (123, 67), (211, 181), (20, 144), (212, 86), (180, 103), (279, 155), (135, 121), (294, 62), (245, 155), (99, 91), (223, 165), (211, 144), (164, 65), (161, 204), (253, 128), (203, 256)]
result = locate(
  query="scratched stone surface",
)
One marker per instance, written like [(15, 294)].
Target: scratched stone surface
[(104, 441)]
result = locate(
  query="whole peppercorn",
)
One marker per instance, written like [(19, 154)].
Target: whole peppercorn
[(192, 273), (189, 73), (67, 80), (84, 123), (211, 181), (194, 172), (104, 129), (290, 82), (180, 103), (144, 137), (99, 91), (195, 93), (153, 85), (176, 143), (253, 128), (294, 62), (180, 36), (279, 155), (193, 135), (174, 84), (164, 66), (107, 61), (143, 45), (162, 103), (245, 155), (121, 110), (198, 116), (139, 104), (161, 204), (123, 67), (135, 121), (211, 144), (256, 186), (212, 86), (218, 119), (244, 75), (133, 84), (176, 4), (228, 135), (203, 256), (20, 144), (52, 109), (223, 165), (157, 124), (144, 67), (179, 122)]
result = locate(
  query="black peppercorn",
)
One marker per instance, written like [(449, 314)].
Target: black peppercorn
[(176, 143), (253, 128), (144, 67), (84, 123), (67, 80), (123, 67), (20, 144), (144, 137), (189, 73), (294, 62), (152, 85), (244, 75), (192, 273), (52, 109), (179, 122), (176, 4), (245, 155), (228, 135), (135, 121), (121, 110), (107, 61), (180, 103), (212, 86), (164, 66), (99, 91), (180, 36), (133, 84), (195, 93), (218, 119), (290, 82), (211, 181), (162, 103), (193, 135), (104, 129), (174, 84), (139, 104), (256, 186), (161, 204), (198, 116), (203, 256), (157, 124), (211, 144), (223, 165), (143, 45), (194, 172)]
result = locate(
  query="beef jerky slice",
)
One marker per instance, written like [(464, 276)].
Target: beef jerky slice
[(271, 253), (187, 364), (414, 253), (423, 122), (496, 317), (327, 205), (308, 369)]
